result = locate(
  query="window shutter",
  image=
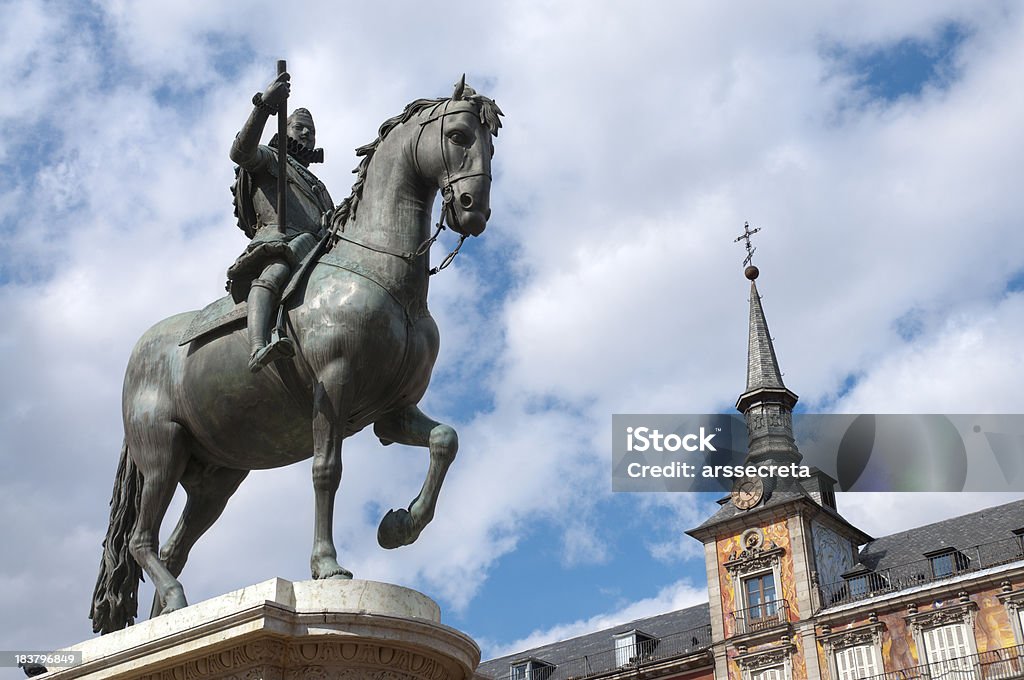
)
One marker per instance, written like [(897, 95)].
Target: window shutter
[(946, 647), (855, 663), (774, 673)]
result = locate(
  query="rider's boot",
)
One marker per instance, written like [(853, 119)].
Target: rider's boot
[(262, 302)]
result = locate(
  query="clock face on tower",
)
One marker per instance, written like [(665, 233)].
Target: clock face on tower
[(747, 492)]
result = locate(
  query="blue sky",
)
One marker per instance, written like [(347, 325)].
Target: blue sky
[(877, 146)]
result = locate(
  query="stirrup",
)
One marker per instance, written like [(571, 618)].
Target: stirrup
[(281, 348)]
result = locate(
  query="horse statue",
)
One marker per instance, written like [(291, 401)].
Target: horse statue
[(195, 415)]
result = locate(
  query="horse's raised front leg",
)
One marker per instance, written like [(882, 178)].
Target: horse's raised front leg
[(329, 416), (411, 426)]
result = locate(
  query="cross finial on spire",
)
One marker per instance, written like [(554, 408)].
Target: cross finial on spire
[(745, 236)]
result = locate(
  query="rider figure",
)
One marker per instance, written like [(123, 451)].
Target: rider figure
[(261, 272)]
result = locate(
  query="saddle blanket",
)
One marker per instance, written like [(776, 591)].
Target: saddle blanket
[(213, 316)]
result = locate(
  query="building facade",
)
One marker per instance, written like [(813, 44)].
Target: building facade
[(796, 592)]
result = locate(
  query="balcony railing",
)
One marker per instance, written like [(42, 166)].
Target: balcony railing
[(639, 654), (923, 571), (764, 616), (996, 664)]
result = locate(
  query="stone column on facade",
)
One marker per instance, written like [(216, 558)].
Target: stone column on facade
[(714, 591)]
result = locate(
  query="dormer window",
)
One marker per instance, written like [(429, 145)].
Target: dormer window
[(530, 669), (863, 582), (858, 586), (948, 562), (633, 647)]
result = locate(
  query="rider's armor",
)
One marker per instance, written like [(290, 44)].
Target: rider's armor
[(261, 272)]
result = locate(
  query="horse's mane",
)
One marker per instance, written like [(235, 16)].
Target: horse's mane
[(489, 118)]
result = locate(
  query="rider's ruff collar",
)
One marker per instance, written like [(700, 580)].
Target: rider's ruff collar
[(302, 154)]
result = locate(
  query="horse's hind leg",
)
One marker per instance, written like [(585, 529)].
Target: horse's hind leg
[(160, 455), (329, 415), (411, 426), (208, 487)]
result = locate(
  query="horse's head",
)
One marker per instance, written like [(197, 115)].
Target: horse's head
[(453, 150)]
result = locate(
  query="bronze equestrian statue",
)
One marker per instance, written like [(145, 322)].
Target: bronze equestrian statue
[(364, 348)]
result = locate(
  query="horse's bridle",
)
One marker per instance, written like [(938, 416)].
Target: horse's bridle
[(447, 207), (447, 189)]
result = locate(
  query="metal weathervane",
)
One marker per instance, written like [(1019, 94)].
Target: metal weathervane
[(745, 236)]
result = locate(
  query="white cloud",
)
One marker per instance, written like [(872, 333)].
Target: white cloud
[(967, 365), (678, 595), (882, 514)]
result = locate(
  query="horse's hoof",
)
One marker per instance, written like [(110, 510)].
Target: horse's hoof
[(174, 602), (396, 530), (335, 571), (342, 575)]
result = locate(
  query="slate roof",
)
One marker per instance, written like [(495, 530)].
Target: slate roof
[(598, 647), (786, 491), (762, 363), (966, 531), (729, 511)]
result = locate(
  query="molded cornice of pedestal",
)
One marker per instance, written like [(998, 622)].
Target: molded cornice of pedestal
[(357, 630)]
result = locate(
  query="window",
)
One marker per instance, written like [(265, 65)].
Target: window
[(760, 597), (856, 653), (864, 584), (520, 671), (948, 563), (633, 647), (773, 673), (855, 663), (530, 670), (946, 648)]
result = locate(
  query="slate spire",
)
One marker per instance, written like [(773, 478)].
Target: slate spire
[(767, 404)]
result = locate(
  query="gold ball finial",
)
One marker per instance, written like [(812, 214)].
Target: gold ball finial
[(751, 272)]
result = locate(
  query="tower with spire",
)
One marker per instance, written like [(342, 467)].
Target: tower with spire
[(772, 540), (766, 404)]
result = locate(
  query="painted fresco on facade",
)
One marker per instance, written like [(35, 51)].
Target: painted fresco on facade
[(799, 663), (778, 534), (727, 547), (822, 659), (833, 554), (734, 668), (898, 650), (992, 628)]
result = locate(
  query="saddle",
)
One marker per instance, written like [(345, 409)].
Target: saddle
[(225, 312)]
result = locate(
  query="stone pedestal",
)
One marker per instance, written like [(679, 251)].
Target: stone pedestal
[(279, 630)]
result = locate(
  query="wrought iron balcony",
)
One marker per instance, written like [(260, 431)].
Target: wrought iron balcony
[(761, 617), (919, 572), (642, 653), (996, 664)]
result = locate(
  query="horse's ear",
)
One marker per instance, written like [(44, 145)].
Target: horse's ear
[(460, 87)]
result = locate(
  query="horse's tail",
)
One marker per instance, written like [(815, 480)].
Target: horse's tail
[(115, 600)]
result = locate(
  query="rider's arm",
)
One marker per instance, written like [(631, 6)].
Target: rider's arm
[(245, 148)]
